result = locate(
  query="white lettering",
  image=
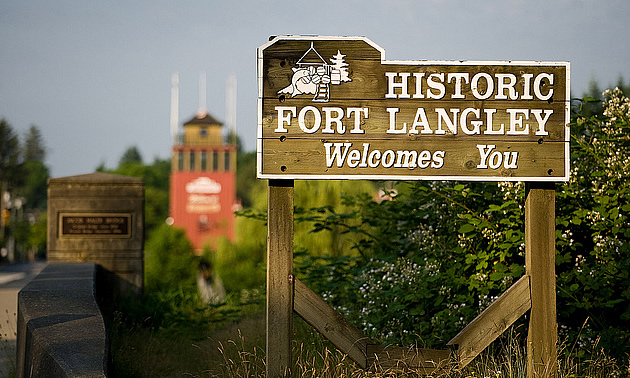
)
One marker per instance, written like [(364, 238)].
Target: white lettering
[(354, 158), (366, 147), (337, 153), (406, 159), (418, 76), (357, 119), (437, 85), (516, 122), (392, 84), (538, 84), (389, 154), (484, 154), (489, 125), (458, 83), (424, 159), (495, 160), (510, 164), (336, 120), (421, 120), (474, 86), (482, 85), (376, 154), (527, 78), (317, 119), (392, 122), (282, 118), (502, 85), (340, 154), (464, 122), (438, 160), (542, 121), (451, 124)]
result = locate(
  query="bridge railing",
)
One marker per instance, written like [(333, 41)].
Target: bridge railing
[(60, 329)]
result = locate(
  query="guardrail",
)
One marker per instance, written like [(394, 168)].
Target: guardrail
[(60, 329)]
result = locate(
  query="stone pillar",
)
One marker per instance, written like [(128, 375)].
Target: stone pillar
[(99, 218)]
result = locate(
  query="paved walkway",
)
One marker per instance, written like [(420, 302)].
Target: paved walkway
[(12, 279)]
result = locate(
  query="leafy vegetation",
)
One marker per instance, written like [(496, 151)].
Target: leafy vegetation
[(23, 183), (417, 263), (156, 185), (410, 266), (438, 253), (170, 260), (593, 229)]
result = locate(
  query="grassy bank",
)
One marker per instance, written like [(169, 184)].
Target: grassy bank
[(232, 344)]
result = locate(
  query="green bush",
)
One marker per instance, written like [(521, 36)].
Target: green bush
[(593, 230), (240, 267), (438, 253), (170, 260)]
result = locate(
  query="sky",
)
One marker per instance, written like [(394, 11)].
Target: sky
[(95, 76)]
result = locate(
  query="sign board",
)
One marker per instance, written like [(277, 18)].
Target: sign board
[(334, 108), (99, 225)]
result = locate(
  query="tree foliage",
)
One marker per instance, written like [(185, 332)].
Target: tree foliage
[(156, 183), (170, 260), (438, 253), (593, 228), (23, 185), (131, 156), (9, 154), (34, 148)]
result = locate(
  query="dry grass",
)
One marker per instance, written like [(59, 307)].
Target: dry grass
[(238, 350), (507, 359)]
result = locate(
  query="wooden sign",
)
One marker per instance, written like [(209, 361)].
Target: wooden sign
[(334, 108)]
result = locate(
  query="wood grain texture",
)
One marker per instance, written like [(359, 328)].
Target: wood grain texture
[(458, 159), (369, 88), (540, 265), (279, 278), (332, 325), (492, 322)]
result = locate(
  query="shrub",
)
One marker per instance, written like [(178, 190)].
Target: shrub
[(438, 253), (170, 260)]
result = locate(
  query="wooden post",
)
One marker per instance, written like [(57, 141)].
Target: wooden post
[(493, 321), (540, 253), (279, 277)]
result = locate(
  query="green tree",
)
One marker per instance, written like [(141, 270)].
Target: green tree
[(170, 260), (131, 156), (35, 173), (156, 178), (23, 175), (9, 154), (34, 148), (235, 139), (621, 84), (246, 177), (37, 236)]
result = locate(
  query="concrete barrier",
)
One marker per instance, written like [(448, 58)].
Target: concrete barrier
[(60, 329)]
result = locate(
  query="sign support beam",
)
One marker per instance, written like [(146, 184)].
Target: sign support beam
[(279, 277), (540, 252)]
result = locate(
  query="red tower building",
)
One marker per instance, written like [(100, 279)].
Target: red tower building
[(203, 182)]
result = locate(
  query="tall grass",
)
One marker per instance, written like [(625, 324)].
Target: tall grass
[(315, 358), (219, 341)]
